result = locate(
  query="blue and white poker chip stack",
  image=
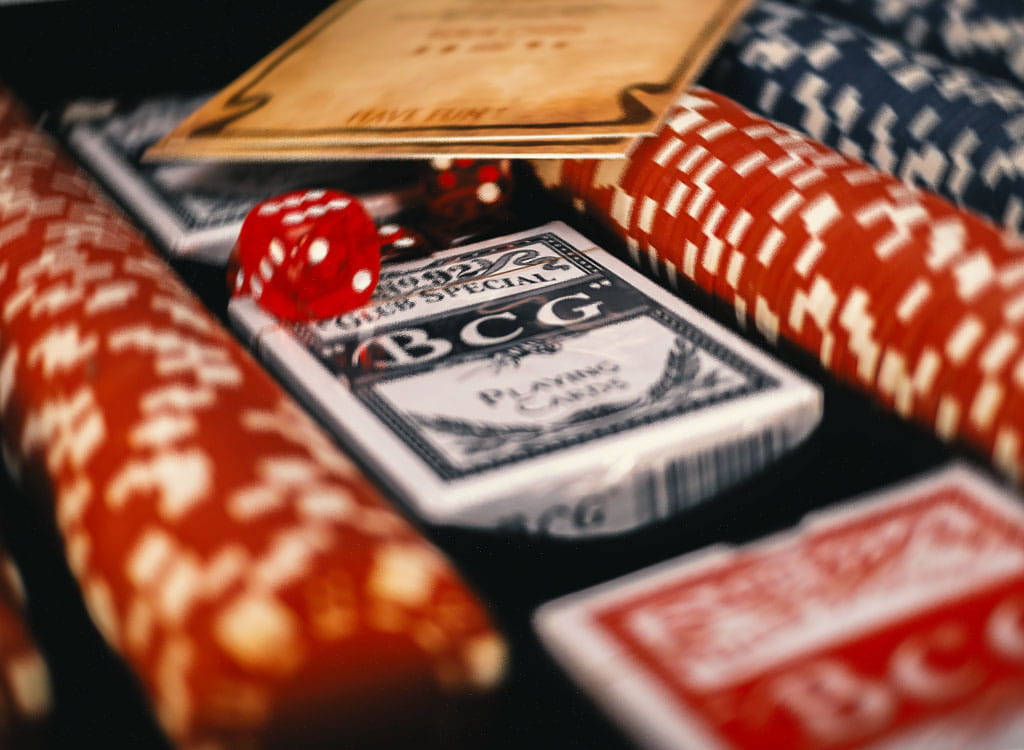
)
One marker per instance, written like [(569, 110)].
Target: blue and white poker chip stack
[(987, 35), (934, 124)]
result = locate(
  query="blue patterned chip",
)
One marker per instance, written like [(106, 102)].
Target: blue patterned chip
[(987, 35), (936, 125)]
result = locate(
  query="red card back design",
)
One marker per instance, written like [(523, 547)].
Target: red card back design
[(900, 619)]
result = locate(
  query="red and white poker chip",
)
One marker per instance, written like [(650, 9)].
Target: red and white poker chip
[(885, 285)]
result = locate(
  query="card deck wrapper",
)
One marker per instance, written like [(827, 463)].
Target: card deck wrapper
[(896, 621), (195, 210), (535, 382)]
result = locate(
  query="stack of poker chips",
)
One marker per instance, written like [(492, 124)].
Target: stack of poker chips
[(935, 124), (25, 692), (987, 35), (261, 589), (893, 289)]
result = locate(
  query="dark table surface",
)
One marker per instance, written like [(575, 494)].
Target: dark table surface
[(53, 52)]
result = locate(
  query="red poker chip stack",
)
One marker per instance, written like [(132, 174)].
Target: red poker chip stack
[(25, 692), (262, 590), (894, 290)]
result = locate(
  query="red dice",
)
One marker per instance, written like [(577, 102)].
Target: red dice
[(401, 243), (465, 196), (307, 255)]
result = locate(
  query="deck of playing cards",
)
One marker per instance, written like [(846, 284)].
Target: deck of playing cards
[(535, 382), (894, 622), (194, 210)]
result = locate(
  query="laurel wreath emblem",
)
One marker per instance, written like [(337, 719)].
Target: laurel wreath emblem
[(680, 377)]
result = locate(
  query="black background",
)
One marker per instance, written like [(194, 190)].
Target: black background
[(56, 51)]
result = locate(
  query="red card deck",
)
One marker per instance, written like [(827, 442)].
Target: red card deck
[(895, 621)]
